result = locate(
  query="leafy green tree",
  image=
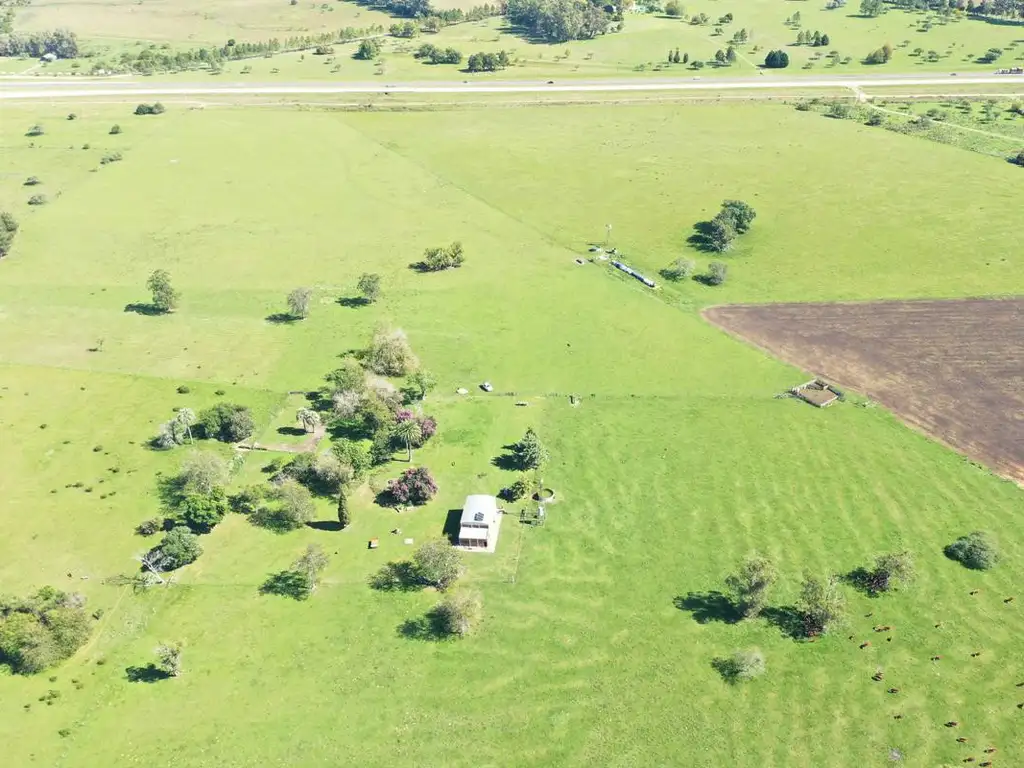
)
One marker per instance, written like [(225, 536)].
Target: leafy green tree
[(530, 452), (168, 659), (872, 8), (891, 569), (298, 302), (977, 551), (673, 8), (716, 273), (202, 511), (165, 298), (438, 563), (421, 382), (368, 50), (291, 507), (742, 665), (178, 548), (1017, 159), (348, 377), (680, 269), (41, 630), (720, 56), (821, 604), (369, 286), (752, 583), (308, 569), (227, 422), (739, 213), (460, 612), (409, 432), (721, 233), (730, 55), (390, 353), (353, 455)]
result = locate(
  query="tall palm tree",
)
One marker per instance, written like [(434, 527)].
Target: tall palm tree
[(308, 418), (409, 431)]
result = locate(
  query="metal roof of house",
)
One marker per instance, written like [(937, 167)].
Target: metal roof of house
[(473, 534), (479, 508)]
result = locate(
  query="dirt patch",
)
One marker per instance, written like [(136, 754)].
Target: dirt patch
[(954, 369)]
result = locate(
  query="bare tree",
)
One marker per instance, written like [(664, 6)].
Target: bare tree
[(169, 658), (298, 302)]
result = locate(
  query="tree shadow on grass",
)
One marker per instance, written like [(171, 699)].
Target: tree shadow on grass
[(727, 668), (147, 674), (286, 584), (863, 580), (325, 525), (508, 460), (788, 620), (429, 627), (701, 237), (709, 606), (396, 576), (292, 431), (282, 318), (354, 302), (149, 310)]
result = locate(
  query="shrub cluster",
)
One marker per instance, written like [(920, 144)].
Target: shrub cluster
[(414, 486), (438, 259), (431, 53), (38, 631), (487, 62), (150, 109), (8, 229)]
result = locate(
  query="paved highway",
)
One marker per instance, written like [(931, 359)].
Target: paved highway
[(14, 88)]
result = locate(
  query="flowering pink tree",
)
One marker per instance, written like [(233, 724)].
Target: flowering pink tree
[(414, 486)]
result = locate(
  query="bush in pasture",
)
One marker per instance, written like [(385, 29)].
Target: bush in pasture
[(227, 422), (115, 129), (673, 8), (8, 229), (298, 302), (348, 377), (879, 55), (751, 584), (38, 200), (32, 181), (776, 60), (420, 383), (458, 613), (35, 130), (977, 551), (487, 62), (41, 630), (680, 269), (149, 527), (369, 286), (1017, 159), (301, 580), (165, 298), (438, 564), (821, 605), (368, 50), (111, 157), (720, 234), (178, 548), (353, 455), (716, 273), (168, 659), (891, 569), (390, 354), (439, 259), (150, 109), (431, 53), (414, 486), (202, 511), (739, 214), (741, 666), (529, 452), (875, 119)]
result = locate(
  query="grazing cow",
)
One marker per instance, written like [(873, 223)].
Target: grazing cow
[(1008, 600), (975, 591), (952, 724), (893, 690), (864, 645), (961, 739), (990, 750), (897, 717), (936, 658), (976, 654)]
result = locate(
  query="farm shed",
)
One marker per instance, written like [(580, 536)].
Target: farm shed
[(480, 522)]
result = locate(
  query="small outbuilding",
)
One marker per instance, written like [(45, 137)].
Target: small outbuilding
[(480, 523)]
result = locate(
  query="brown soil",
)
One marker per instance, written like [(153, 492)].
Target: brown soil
[(954, 369)]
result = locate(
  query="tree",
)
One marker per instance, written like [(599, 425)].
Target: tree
[(309, 567), (369, 286), (165, 298), (892, 568), (821, 604), (776, 60), (977, 551), (439, 259), (816, 39), (344, 516), (751, 584), (421, 382), (42, 629), (721, 233), (353, 455), (825, 40), (716, 273), (530, 453), (458, 613), (115, 129), (720, 56), (298, 302), (179, 547), (680, 269), (202, 511), (414, 486), (390, 353), (871, 8), (408, 432), (368, 50), (730, 55), (168, 659), (1017, 159), (739, 213), (438, 563), (308, 418), (185, 418), (673, 8), (349, 377), (290, 507), (742, 665), (227, 422), (8, 229), (202, 472)]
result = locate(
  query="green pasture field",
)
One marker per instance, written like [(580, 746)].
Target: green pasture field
[(640, 49), (676, 464)]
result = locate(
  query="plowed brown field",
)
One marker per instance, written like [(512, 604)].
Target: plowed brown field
[(954, 369)]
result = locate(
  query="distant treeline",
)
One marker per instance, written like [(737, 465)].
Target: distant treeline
[(59, 42), (420, 9), (558, 21), (1006, 8)]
